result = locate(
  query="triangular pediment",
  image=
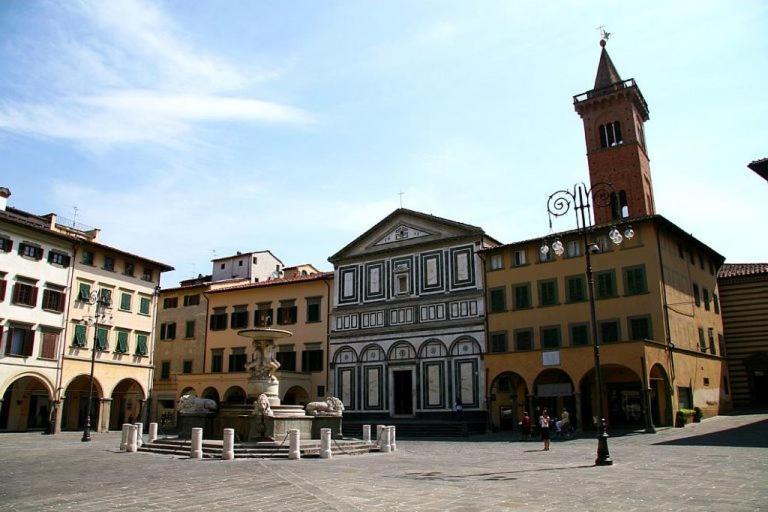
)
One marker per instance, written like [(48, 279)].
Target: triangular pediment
[(404, 228), (401, 233)]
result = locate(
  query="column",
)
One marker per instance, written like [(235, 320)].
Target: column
[(529, 401), (139, 434), (294, 447), (325, 443), (228, 449), (143, 408), (379, 435), (124, 438), (577, 412), (131, 445), (196, 447), (152, 433), (392, 441), (58, 412), (385, 446), (649, 427), (105, 408), (367, 433)]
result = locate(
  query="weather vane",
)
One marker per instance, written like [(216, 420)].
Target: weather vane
[(604, 35)]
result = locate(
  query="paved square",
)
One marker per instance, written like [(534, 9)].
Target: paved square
[(719, 464)]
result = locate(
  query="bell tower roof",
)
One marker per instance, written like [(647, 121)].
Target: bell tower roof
[(607, 74)]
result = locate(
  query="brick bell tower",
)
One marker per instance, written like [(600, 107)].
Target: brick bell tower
[(614, 112)]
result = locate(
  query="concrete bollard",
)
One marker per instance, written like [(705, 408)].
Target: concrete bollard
[(325, 444), (131, 446), (139, 434), (294, 444), (366, 433), (124, 438), (379, 438), (152, 433), (392, 442), (228, 451), (385, 447), (196, 449)]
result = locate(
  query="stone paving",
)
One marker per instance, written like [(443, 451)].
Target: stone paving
[(719, 464)]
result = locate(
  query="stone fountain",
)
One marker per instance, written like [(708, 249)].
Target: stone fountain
[(266, 418)]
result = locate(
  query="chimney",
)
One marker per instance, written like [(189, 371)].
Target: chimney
[(5, 193)]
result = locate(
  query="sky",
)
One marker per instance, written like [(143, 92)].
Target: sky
[(186, 130)]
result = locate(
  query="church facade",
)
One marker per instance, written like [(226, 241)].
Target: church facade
[(407, 328)]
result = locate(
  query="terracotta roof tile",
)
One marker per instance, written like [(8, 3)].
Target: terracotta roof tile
[(742, 269), (274, 282)]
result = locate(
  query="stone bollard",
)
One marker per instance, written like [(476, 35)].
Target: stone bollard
[(325, 443), (392, 442), (379, 438), (366, 433), (124, 438), (139, 434), (196, 449), (131, 446), (228, 451), (385, 446), (152, 433), (294, 444)]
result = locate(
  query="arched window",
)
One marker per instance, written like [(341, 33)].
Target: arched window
[(614, 206), (610, 134), (623, 204)]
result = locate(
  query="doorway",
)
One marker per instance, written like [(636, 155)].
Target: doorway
[(402, 387), (760, 386)]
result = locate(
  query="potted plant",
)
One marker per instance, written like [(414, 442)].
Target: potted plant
[(697, 414)]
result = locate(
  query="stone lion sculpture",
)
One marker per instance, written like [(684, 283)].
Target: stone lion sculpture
[(190, 404), (261, 406), (331, 407)]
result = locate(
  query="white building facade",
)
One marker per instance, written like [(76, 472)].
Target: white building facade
[(408, 321)]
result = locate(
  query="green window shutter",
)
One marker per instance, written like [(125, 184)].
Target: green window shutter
[(101, 339), (84, 294), (79, 339), (144, 306), (141, 344), (125, 301), (122, 342)]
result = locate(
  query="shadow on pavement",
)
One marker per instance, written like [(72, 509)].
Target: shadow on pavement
[(754, 435)]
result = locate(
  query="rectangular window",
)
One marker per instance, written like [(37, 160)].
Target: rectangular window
[(19, 341), (189, 329), (50, 342), (576, 288), (721, 344), (144, 306), (141, 344), (634, 280), (497, 261), (579, 335), (606, 284), (122, 342), (522, 296), (105, 296), (702, 341), (287, 312), (680, 251), (24, 294), (716, 303), (312, 360), (711, 268), (170, 331), (546, 256), (218, 320), (550, 337), (109, 263), (520, 259), (165, 370), (609, 331), (548, 292), (53, 300), (498, 300), (3, 285), (58, 258), (129, 269), (313, 309), (170, 302), (192, 300), (30, 251), (523, 339), (696, 298), (640, 328), (711, 339), (401, 284), (691, 258), (147, 274), (6, 244), (705, 298), (684, 398), (102, 339), (86, 258), (237, 360), (238, 319), (263, 316), (498, 342), (217, 360), (79, 337), (287, 361), (574, 248), (125, 301), (187, 366)]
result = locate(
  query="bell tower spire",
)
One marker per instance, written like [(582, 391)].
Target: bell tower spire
[(614, 113)]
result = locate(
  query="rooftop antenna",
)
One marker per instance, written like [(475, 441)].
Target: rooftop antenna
[(214, 253), (74, 216), (604, 35), (401, 194)]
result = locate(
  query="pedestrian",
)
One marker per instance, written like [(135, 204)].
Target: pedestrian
[(544, 425), (525, 426)]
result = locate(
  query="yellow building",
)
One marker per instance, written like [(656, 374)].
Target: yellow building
[(123, 336), (297, 302), (658, 322)]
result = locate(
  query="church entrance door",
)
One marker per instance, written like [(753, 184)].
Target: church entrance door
[(402, 387)]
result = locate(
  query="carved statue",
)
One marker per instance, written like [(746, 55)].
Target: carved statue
[(331, 407), (263, 365), (190, 404), (261, 406)]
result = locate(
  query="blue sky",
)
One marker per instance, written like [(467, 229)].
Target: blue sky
[(182, 128)]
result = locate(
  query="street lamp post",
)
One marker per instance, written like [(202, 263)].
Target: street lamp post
[(581, 200), (101, 301)]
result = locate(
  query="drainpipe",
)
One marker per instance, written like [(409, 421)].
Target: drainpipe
[(487, 391), (665, 305), (58, 397)]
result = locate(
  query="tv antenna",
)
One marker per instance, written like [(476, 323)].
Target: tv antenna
[(74, 216), (401, 194)]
